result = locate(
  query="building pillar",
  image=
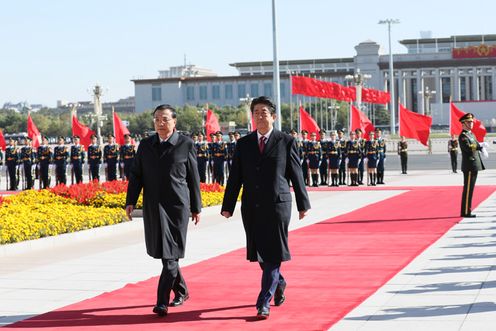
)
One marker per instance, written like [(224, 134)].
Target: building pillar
[(420, 96), (493, 80), (438, 87), (475, 84), (401, 88), (456, 85)]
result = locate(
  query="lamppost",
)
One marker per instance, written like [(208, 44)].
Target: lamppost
[(390, 21), (98, 112), (358, 79), (247, 101), (334, 115), (427, 95)]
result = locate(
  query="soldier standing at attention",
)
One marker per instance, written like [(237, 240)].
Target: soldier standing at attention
[(453, 152), (303, 156), (94, 158), (353, 153), (361, 165), (381, 155), (324, 164), (11, 157), (219, 154), (60, 156), (45, 156), (231, 145), (403, 153), (77, 159), (128, 152), (111, 157), (334, 157), (471, 162), (28, 157), (314, 155), (371, 152), (342, 162), (202, 155)]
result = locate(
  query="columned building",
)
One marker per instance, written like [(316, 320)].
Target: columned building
[(430, 73)]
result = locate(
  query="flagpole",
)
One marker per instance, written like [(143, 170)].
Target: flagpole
[(350, 115), (299, 116), (275, 66), (113, 121), (399, 116), (291, 99)]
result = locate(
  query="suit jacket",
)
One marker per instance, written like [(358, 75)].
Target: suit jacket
[(266, 200), (168, 174), (470, 147)]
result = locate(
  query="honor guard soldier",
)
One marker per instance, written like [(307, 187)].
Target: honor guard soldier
[(202, 156), (94, 158), (11, 160), (237, 135), (361, 160), (314, 155), (77, 160), (403, 153), (60, 156), (324, 165), (128, 152), (353, 154), (44, 155), (231, 145), (28, 158), (303, 156), (371, 153), (381, 156), (471, 162), (453, 152), (342, 162), (111, 157), (334, 157), (219, 154)]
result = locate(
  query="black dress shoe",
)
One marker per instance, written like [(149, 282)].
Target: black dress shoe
[(279, 296), (263, 313), (469, 216), (179, 301), (160, 310)]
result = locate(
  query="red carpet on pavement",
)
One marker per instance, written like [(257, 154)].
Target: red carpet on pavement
[(336, 265)]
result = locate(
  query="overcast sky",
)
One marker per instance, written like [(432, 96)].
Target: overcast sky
[(57, 49)]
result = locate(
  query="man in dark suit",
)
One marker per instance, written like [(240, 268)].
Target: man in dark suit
[(165, 168), (471, 162), (263, 164)]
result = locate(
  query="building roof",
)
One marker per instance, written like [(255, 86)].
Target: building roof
[(291, 62), (478, 37)]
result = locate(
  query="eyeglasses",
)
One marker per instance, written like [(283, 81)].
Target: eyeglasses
[(157, 120)]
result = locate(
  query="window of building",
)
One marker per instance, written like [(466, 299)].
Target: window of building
[(254, 90), (156, 93), (470, 88), (267, 89), (414, 95), (241, 91), (446, 89), (190, 93), (488, 88), (215, 92), (463, 87), (203, 92), (228, 91)]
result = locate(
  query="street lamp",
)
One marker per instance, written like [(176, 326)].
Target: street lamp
[(334, 116), (98, 113), (390, 21), (428, 94), (247, 101), (358, 79)]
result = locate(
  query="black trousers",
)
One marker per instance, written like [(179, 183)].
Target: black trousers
[(44, 177), (469, 178), (11, 168), (60, 170), (454, 160), (127, 167), (404, 162), (77, 168), (95, 171), (28, 175), (111, 170), (202, 169), (271, 279), (171, 279)]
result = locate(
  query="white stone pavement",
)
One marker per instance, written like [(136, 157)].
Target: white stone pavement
[(46, 274)]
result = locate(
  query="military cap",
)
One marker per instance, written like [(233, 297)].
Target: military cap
[(358, 130), (304, 132), (45, 137), (322, 131), (340, 131), (237, 132), (127, 135), (61, 137), (218, 132), (110, 135), (93, 136), (231, 133), (75, 137), (378, 130), (468, 117), (29, 138), (293, 131)]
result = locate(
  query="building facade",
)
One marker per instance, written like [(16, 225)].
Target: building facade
[(427, 76)]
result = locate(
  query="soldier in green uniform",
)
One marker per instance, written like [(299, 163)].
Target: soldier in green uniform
[(471, 162), (28, 158), (353, 153), (453, 152), (381, 155), (334, 157), (403, 153)]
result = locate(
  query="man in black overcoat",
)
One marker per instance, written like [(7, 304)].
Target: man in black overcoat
[(264, 163), (471, 162), (165, 169)]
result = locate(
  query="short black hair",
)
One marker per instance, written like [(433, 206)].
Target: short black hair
[(165, 107), (263, 100)]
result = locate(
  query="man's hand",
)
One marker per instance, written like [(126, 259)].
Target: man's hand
[(226, 214), (129, 210), (195, 217), (302, 213)]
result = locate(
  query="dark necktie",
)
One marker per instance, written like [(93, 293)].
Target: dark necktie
[(261, 144)]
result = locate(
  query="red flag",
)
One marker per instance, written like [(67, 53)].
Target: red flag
[(415, 126), (33, 132), (479, 130), (84, 133), (308, 123), (253, 124), (3, 145), (360, 121), (212, 124), (119, 129)]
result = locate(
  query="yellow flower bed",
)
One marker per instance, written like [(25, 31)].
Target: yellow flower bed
[(31, 215)]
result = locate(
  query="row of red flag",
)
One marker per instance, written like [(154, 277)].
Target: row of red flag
[(412, 125), (321, 89), (78, 129)]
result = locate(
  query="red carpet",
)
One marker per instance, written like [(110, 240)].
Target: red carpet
[(336, 265)]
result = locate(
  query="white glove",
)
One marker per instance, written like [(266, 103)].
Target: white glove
[(485, 154)]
